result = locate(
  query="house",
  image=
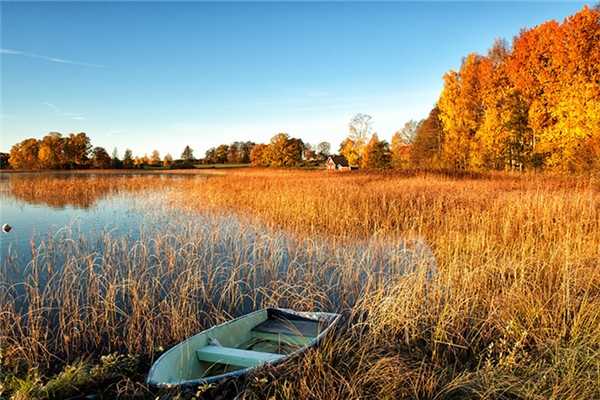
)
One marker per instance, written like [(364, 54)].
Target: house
[(337, 163)]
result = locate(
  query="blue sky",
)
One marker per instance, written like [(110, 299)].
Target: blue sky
[(163, 75)]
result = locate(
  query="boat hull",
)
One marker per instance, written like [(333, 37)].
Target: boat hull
[(237, 347)]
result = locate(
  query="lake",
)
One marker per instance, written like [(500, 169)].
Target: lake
[(42, 206)]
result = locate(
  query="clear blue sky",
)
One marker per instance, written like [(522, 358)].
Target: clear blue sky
[(163, 75)]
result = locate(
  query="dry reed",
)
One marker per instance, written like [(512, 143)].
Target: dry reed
[(513, 310)]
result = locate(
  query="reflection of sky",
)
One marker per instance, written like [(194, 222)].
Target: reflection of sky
[(86, 212), (36, 221)]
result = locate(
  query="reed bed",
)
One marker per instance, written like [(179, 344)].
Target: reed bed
[(470, 287), (78, 189)]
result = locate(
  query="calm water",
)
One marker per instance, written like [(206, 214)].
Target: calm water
[(35, 217)]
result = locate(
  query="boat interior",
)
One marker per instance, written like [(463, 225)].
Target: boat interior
[(264, 336), (268, 341)]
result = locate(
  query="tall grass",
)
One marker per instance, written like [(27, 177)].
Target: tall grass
[(512, 310), (79, 189)]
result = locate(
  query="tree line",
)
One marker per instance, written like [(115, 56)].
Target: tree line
[(362, 148), (53, 151), (532, 104), (281, 151), (75, 151), (286, 151)]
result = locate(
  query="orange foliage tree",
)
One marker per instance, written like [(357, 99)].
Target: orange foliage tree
[(536, 104)]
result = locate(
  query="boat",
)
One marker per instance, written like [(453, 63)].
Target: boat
[(265, 337)]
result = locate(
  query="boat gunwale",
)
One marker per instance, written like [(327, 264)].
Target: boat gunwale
[(333, 319)]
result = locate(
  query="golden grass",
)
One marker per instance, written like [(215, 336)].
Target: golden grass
[(513, 311), (82, 189)]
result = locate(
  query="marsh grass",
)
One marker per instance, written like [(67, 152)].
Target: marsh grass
[(507, 307), (81, 190)]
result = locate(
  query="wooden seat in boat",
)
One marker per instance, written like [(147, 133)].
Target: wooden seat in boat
[(306, 328), (233, 356)]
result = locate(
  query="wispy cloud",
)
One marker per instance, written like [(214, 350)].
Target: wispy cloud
[(47, 58), (58, 111), (53, 107)]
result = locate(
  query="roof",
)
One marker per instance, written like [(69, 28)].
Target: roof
[(339, 160)]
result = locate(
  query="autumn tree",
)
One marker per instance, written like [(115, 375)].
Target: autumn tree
[(360, 127), (4, 160), (309, 152), (24, 155), (408, 131), (401, 144), (128, 159), (573, 98), (76, 150), (51, 153), (100, 158), (140, 162), (244, 150), (239, 152), (259, 156), (555, 69), (503, 139), (167, 160), (350, 150), (461, 113), (531, 105), (155, 158), (233, 153), (376, 154), (188, 154), (221, 154), (293, 152), (276, 151), (284, 151), (426, 149), (324, 149), (400, 151), (210, 156), (115, 162)]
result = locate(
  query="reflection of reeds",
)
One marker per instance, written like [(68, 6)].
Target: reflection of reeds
[(76, 190), (513, 311)]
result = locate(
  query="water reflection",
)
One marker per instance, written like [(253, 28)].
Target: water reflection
[(77, 190), (40, 205)]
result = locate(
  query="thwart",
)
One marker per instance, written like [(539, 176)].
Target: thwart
[(235, 348)]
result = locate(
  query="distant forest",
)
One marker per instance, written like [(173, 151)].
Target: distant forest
[(532, 104)]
